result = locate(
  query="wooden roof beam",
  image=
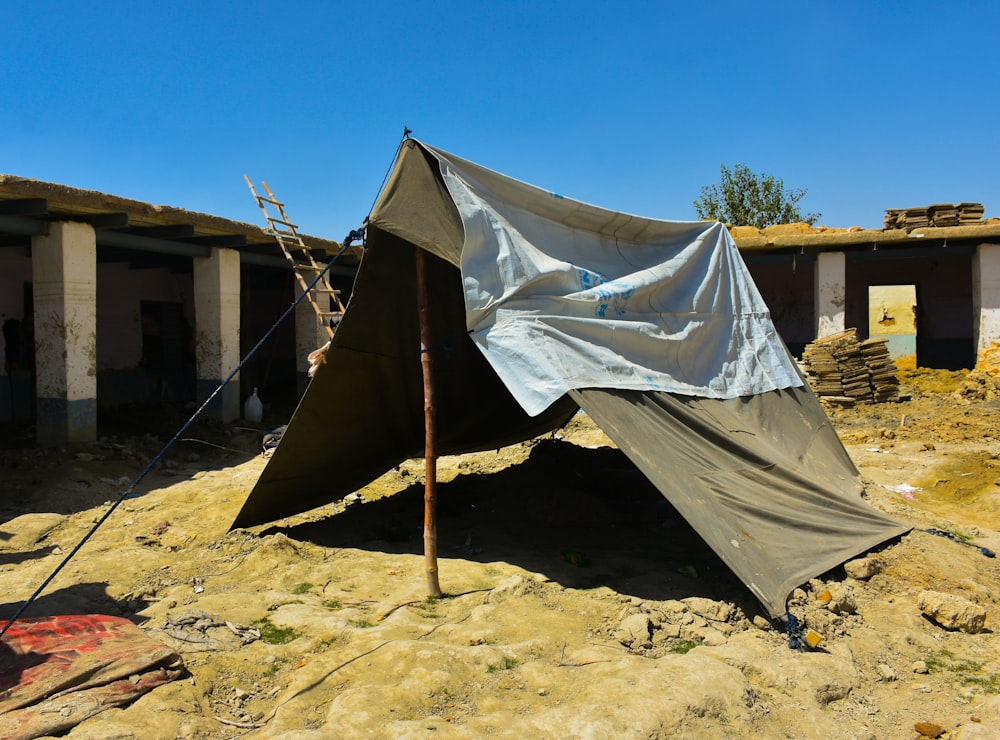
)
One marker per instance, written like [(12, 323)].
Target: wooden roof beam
[(24, 207)]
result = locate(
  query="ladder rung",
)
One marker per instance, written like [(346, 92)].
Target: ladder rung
[(310, 268), (281, 234), (326, 290), (289, 224), (329, 313), (270, 200)]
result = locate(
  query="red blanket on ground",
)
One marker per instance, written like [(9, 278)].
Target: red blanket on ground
[(56, 672)]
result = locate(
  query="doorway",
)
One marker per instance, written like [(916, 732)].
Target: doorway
[(892, 315)]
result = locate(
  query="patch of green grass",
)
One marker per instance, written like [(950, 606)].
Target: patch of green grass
[(361, 623), (274, 635), (332, 604), (427, 607), (302, 588), (275, 667), (682, 647), (940, 662), (967, 672), (986, 684), (507, 664)]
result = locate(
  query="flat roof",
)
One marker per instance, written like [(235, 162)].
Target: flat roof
[(124, 225), (820, 238)]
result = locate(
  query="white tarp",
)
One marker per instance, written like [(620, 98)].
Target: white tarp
[(561, 295)]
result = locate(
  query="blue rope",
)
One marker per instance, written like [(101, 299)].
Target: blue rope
[(169, 444), (941, 533)]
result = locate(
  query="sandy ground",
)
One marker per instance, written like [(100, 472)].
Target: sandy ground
[(577, 604)]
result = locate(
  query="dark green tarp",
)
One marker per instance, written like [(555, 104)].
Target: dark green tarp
[(763, 478)]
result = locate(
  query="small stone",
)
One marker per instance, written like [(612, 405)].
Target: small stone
[(669, 631), (673, 607), (634, 631), (760, 623), (920, 667), (952, 612), (717, 611), (888, 674), (842, 601), (704, 635), (863, 568), (543, 692), (928, 729)]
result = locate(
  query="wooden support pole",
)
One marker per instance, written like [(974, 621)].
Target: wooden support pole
[(430, 452)]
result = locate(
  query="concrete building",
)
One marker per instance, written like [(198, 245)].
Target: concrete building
[(108, 303), (933, 292)]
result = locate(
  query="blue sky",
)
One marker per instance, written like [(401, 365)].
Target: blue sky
[(628, 105)]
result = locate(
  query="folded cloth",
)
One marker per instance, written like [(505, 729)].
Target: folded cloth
[(56, 672)]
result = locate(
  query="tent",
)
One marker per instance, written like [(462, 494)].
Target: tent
[(542, 305)]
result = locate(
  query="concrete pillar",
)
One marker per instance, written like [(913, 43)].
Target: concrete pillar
[(217, 330), (64, 274), (309, 335), (831, 293), (986, 304)]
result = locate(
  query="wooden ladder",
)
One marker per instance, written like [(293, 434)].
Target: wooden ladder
[(297, 253)]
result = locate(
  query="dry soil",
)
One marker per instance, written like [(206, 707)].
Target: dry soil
[(577, 603)]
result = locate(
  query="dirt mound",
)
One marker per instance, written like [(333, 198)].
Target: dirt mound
[(578, 603), (983, 383)]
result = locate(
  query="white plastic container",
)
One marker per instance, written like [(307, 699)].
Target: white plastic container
[(253, 409)]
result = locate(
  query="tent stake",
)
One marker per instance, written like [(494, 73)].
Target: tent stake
[(430, 452)]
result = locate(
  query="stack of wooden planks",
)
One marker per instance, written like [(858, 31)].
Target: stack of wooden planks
[(943, 214), (970, 213), (843, 371), (938, 215), (882, 371)]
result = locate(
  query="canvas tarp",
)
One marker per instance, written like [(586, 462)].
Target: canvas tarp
[(541, 305)]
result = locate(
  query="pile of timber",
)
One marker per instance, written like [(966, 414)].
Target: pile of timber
[(843, 371), (970, 213), (882, 371), (939, 214)]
